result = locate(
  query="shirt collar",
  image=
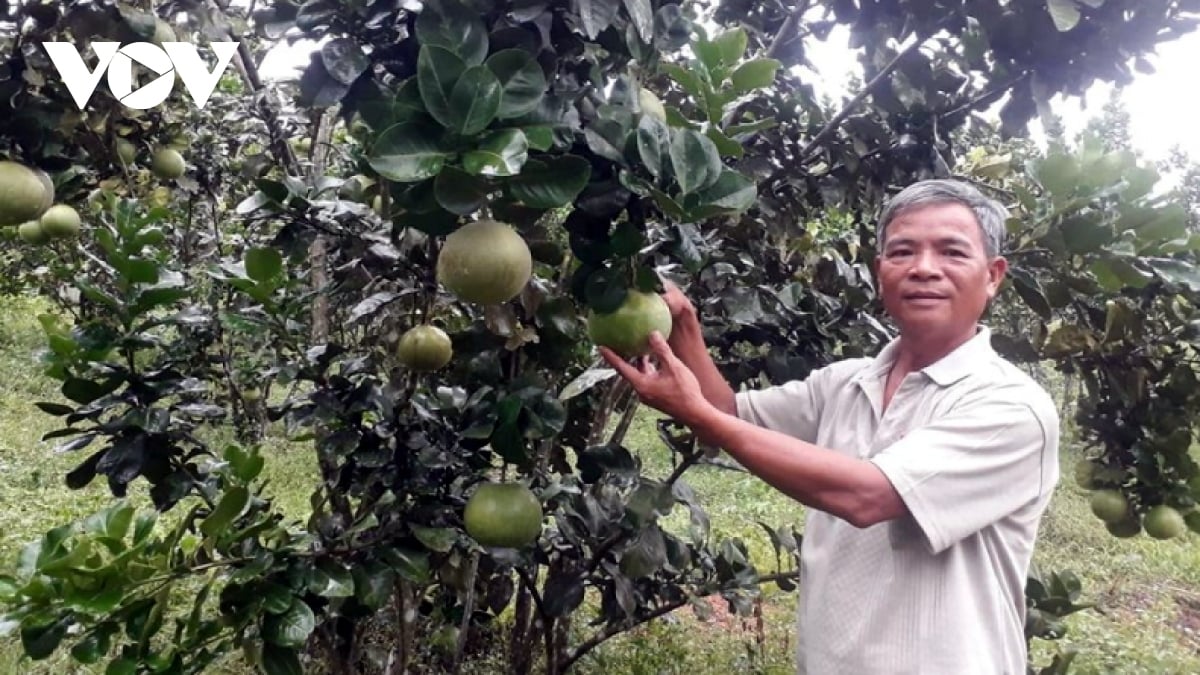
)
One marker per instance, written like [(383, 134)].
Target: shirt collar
[(944, 372)]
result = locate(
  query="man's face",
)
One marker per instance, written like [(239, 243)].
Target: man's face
[(934, 272)]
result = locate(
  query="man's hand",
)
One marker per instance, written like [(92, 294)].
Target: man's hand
[(677, 302), (668, 386)]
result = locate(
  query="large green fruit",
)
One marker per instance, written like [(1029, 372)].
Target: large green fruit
[(1164, 522), (25, 193), (424, 348), (1110, 505), (627, 330), (506, 515), (31, 233), (167, 163), (1085, 474), (485, 262), (60, 221)]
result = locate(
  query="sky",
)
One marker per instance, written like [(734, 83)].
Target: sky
[(1161, 105)]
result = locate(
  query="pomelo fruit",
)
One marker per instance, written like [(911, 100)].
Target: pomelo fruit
[(1109, 505), (485, 262), (126, 151), (60, 221), (1124, 529), (505, 515), (25, 193), (31, 233), (627, 330), (167, 163), (1164, 522), (424, 348)]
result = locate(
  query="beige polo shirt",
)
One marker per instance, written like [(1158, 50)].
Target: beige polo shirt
[(971, 445)]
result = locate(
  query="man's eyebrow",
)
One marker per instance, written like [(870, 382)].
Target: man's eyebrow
[(949, 239)]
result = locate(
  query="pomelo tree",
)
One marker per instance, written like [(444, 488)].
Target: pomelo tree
[(266, 260)]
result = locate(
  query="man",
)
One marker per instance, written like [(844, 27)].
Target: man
[(925, 469)]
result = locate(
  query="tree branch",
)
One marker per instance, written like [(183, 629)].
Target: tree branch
[(789, 25), (614, 629), (880, 77)]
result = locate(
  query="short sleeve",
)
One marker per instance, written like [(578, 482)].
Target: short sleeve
[(973, 467), (792, 408)]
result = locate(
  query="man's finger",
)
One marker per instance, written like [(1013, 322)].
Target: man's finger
[(620, 365), (662, 350)]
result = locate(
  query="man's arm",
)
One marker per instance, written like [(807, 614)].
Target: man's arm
[(687, 342), (852, 489)]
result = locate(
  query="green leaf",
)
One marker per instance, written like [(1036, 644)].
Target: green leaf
[(412, 565), (263, 264), (731, 45), (276, 599), (1065, 14), (1085, 234), (695, 160), (453, 26), (627, 239), (653, 142), (597, 15), (1030, 290), (373, 584), (540, 138), (501, 153), (688, 80), (87, 650), (1059, 174), (40, 638), (331, 579), (139, 271), (1115, 273), (408, 153), (522, 82), (122, 666), (438, 69), (755, 74), (641, 13), (459, 192), (551, 183), (278, 660), (732, 193), (474, 101), (1176, 272), (1168, 223), (232, 503), (439, 539), (725, 145), (291, 628)]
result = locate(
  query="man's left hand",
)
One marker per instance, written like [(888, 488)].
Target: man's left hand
[(668, 386)]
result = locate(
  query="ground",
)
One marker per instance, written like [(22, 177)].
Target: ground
[(1148, 592)]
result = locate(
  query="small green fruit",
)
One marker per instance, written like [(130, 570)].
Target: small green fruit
[(126, 151), (425, 348), (627, 330), (1164, 522), (60, 221), (31, 233), (1111, 506), (167, 163), (506, 515)]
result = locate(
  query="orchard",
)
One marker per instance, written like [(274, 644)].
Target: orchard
[(403, 263)]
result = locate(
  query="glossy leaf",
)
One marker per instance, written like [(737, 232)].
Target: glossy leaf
[(408, 153)]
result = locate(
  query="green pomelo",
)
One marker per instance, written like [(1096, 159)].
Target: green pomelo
[(485, 262), (424, 348), (25, 193), (627, 330), (504, 515)]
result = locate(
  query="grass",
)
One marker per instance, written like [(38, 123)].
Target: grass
[(1147, 592)]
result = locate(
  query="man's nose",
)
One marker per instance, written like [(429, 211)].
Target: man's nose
[(925, 264)]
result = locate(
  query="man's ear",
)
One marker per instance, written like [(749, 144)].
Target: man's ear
[(996, 271)]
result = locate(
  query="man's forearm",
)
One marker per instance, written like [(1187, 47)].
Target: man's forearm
[(851, 489), (687, 343)]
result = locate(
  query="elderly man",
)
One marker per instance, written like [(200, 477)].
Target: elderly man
[(926, 469)]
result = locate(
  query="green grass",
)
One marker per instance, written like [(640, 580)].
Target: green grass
[(1148, 592)]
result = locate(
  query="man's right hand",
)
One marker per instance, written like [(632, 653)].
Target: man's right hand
[(681, 308)]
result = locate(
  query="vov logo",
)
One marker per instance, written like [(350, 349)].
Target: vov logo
[(117, 61)]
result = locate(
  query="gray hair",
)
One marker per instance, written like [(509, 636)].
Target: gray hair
[(989, 213)]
